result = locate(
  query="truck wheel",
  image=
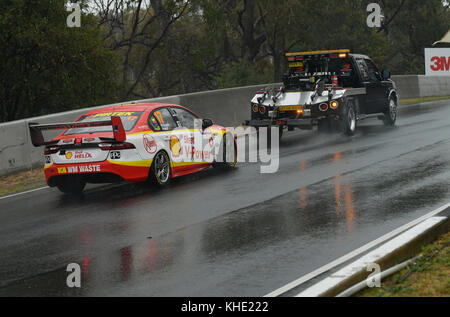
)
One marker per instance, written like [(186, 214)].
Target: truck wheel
[(390, 115), (232, 160), (348, 119), (160, 169), (71, 185)]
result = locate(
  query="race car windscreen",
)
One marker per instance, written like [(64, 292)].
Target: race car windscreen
[(129, 119)]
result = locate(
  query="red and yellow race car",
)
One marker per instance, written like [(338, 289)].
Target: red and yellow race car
[(132, 142)]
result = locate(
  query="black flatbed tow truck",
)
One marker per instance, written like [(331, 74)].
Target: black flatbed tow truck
[(331, 89)]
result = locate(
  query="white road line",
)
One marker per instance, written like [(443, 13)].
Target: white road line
[(354, 253), (25, 192)]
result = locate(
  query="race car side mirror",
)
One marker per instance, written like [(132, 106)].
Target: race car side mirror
[(206, 123), (386, 74)]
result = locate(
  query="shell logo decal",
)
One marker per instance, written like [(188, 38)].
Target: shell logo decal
[(149, 144), (175, 146), (68, 155)]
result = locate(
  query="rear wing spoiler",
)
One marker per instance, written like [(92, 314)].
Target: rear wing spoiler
[(37, 139)]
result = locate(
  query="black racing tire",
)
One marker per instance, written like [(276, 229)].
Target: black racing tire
[(73, 184), (348, 119), (390, 114), (232, 161), (160, 172)]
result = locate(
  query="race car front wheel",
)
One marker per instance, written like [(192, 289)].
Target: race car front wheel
[(160, 169), (73, 184)]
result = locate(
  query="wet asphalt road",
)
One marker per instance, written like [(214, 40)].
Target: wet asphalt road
[(236, 233)]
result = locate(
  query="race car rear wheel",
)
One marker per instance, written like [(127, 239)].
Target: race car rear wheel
[(160, 169), (390, 115), (348, 119), (73, 184), (228, 160)]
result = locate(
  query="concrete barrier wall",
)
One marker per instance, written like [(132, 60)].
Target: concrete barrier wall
[(413, 86), (228, 107), (407, 86), (430, 86)]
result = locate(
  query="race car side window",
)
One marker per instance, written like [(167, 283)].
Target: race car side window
[(153, 123), (164, 119), (186, 118)]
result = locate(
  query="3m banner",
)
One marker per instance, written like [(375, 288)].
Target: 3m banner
[(437, 61)]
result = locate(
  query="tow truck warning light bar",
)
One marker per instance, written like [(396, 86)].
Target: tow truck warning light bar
[(298, 56)]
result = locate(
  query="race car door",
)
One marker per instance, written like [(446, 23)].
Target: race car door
[(193, 140), (166, 137)]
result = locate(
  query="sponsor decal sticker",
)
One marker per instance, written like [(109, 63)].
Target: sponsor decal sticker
[(149, 144), (110, 114), (78, 155), (79, 169), (175, 146), (82, 155), (115, 155), (62, 170)]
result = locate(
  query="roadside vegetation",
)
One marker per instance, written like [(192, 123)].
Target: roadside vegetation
[(420, 100), (22, 181), (127, 50), (429, 276)]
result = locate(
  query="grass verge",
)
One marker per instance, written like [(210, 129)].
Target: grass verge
[(420, 100), (429, 276), (22, 181)]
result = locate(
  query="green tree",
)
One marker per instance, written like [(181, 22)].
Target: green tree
[(48, 67)]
